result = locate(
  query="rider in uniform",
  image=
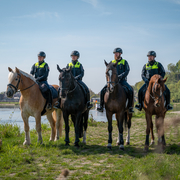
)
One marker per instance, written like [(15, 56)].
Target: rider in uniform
[(78, 72), (41, 70), (149, 69), (122, 70)]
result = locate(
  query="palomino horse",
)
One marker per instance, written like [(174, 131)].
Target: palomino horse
[(115, 100), (154, 105), (73, 103), (32, 104)]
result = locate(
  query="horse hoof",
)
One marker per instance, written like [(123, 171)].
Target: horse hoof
[(84, 142), (109, 147), (67, 144), (127, 143), (26, 143), (146, 148), (117, 143), (121, 147), (152, 143)]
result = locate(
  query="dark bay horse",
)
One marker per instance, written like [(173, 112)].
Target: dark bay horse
[(116, 101), (73, 103), (32, 104), (154, 104)]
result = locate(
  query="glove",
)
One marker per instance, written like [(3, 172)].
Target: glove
[(76, 78)]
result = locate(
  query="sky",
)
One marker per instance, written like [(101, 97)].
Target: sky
[(94, 28)]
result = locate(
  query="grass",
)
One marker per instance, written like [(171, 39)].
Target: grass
[(90, 161)]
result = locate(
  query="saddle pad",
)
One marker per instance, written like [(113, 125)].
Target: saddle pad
[(54, 92)]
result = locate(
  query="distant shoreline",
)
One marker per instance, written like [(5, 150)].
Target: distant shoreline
[(9, 105)]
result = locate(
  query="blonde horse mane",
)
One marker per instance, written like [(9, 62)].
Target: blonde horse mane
[(27, 75)]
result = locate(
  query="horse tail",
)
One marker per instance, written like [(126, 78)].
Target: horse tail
[(125, 120), (58, 116)]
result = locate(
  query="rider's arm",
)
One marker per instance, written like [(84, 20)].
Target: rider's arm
[(125, 73), (161, 70), (45, 75), (80, 76), (143, 74), (32, 72)]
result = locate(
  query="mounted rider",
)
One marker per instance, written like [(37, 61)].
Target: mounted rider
[(40, 71), (78, 72), (149, 69), (122, 71)]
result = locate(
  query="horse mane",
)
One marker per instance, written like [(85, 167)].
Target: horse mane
[(27, 75)]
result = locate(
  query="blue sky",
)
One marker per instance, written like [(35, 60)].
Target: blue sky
[(94, 28)]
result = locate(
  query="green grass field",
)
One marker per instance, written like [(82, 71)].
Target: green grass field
[(90, 161)]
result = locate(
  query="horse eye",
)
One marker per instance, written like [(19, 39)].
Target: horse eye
[(16, 79)]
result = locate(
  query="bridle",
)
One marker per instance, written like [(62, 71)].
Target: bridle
[(153, 90), (17, 85)]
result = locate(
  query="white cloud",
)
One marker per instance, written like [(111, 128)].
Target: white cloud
[(94, 3), (40, 15)]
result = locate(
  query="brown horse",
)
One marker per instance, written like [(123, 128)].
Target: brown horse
[(32, 103), (154, 105), (115, 100)]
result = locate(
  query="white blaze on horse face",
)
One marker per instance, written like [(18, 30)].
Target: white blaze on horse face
[(110, 75), (11, 77)]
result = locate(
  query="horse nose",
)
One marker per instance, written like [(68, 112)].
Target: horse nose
[(9, 93)]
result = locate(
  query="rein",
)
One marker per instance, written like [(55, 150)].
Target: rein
[(16, 87)]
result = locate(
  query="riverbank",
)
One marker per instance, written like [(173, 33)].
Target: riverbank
[(90, 161)]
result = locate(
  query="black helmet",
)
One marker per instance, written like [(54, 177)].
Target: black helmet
[(75, 53), (42, 54), (119, 50), (151, 53)]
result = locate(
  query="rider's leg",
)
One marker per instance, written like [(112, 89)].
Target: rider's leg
[(130, 95), (58, 103), (103, 91), (140, 98), (49, 100), (167, 96), (89, 105)]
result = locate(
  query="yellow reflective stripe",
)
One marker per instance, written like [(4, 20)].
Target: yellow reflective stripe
[(77, 65), (154, 66), (121, 62), (41, 66)]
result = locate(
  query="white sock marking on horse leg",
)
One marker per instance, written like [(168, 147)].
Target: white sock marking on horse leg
[(84, 137), (128, 136), (27, 138), (118, 139)]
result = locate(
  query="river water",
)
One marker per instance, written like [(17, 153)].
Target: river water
[(9, 115)]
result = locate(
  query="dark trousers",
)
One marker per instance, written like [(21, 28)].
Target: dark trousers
[(143, 89), (123, 83)]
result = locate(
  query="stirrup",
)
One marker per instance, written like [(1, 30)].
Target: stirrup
[(100, 109), (169, 107), (131, 110), (49, 106), (138, 106), (56, 105)]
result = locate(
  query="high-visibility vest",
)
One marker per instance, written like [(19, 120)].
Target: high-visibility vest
[(77, 65), (40, 66), (120, 62), (154, 66)]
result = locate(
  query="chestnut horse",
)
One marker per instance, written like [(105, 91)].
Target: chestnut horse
[(32, 104), (154, 104), (115, 100)]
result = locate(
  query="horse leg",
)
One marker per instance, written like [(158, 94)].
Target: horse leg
[(38, 128), (148, 123), (152, 134), (77, 128), (52, 124), (110, 128), (85, 124), (66, 120), (129, 116), (57, 116), (120, 118), (26, 129)]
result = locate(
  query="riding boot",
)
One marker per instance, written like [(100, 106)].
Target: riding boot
[(89, 105), (57, 104), (130, 102), (100, 109), (49, 100), (139, 105), (168, 105)]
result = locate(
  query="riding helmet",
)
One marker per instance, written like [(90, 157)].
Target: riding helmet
[(42, 54), (119, 50), (151, 53), (75, 53)]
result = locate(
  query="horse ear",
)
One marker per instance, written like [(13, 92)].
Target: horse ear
[(10, 70), (115, 64), (164, 80), (59, 69), (17, 70), (69, 68), (105, 62)]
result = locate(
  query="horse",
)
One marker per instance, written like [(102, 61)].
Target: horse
[(32, 103), (116, 101), (154, 104), (73, 103)]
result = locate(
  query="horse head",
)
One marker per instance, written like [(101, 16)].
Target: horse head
[(157, 86), (14, 78), (111, 75), (65, 80)]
